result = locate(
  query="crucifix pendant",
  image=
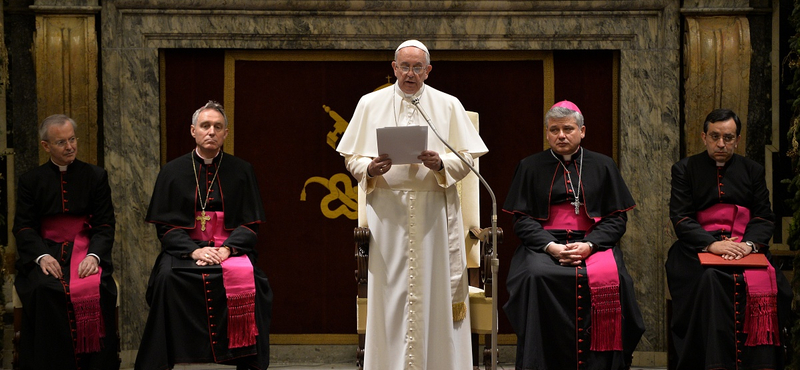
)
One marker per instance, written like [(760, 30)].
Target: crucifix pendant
[(576, 203), (203, 218)]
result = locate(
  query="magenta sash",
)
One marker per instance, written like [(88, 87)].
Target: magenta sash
[(726, 217), (84, 293), (239, 282), (601, 270), (563, 217), (761, 313)]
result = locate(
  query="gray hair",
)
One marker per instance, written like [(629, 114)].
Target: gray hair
[(561, 112), (210, 105), (427, 55), (56, 119)]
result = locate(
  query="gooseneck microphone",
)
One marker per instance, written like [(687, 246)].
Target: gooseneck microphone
[(495, 261)]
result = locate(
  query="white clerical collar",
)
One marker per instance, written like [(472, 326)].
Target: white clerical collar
[(206, 160), (60, 167), (568, 157), (720, 164), (409, 97)]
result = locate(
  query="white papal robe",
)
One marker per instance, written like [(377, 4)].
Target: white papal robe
[(417, 262)]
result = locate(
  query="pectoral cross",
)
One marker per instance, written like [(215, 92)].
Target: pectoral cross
[(577, 205), (203, 218)]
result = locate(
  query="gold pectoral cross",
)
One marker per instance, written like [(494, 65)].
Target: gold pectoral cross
[(203, 219)]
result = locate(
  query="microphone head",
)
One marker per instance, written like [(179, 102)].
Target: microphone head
[(415, 101)]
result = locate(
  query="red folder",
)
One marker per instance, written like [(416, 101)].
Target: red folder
[(750, 260)]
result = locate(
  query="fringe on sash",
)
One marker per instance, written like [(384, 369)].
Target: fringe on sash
[(761, 320), (242, 329), (606, 319), (459, 311), (89, 325)]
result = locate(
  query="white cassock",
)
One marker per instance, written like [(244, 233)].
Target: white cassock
[(417, 263)]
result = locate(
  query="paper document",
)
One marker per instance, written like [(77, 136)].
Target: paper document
[(403, 144)]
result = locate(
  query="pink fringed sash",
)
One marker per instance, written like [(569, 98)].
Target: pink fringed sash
[(601, 269), (761, 313), (239, 282), (84, 293)]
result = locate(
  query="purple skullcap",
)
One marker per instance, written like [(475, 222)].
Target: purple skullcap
[(567, 104)]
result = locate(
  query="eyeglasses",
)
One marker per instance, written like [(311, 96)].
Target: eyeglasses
[(417, 70), (725, 138), (62, 143)]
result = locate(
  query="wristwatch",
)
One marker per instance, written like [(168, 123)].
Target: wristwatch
[(752, 245)]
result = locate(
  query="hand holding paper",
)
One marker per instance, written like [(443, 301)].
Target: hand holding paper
[(379, 165)]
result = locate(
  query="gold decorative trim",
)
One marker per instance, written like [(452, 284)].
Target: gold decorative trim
[(313, 338), (502, 340), (370, 55)]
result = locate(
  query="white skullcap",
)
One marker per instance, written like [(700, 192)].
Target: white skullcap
[(415, 44)]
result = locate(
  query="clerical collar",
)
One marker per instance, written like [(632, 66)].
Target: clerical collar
[(207, 160), (568, 157), (410, 97), (60, 167)]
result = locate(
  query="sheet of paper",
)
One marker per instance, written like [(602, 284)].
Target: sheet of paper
[(403, 144)]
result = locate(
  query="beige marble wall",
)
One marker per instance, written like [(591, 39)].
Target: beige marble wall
[(646, 33)]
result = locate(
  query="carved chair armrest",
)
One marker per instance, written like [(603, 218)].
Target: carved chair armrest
[(361, 236), (485, 237)]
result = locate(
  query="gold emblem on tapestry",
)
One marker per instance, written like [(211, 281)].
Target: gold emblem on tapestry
[(343, 189)]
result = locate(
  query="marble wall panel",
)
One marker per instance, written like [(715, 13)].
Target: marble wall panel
[(645, 32), (650, 128)]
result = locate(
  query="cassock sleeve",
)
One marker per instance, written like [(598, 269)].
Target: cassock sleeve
[(27, 223), (102, 220), (682, 212), (762, 222), (531, 233), (358, 165), (243, 239), (176, 241), (607, 232), (529, 230), (455, 170)]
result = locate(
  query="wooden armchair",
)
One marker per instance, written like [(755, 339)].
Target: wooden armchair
[(479, 253)]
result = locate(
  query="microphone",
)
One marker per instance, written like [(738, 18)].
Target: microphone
[(495, 261)]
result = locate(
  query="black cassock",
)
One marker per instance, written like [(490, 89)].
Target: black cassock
[(703, 314), (48, 321), (546, 300), (188, 312)]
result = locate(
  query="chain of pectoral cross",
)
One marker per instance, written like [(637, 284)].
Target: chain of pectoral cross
[(203, 218), (577, 203)]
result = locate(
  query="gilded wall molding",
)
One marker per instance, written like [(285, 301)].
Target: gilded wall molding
[(65, 55), (717, 73)]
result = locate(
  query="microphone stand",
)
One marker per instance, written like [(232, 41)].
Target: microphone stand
[(495, 261)]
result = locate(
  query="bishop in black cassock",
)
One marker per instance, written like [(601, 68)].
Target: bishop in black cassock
[(192, 318), (550, 303)]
